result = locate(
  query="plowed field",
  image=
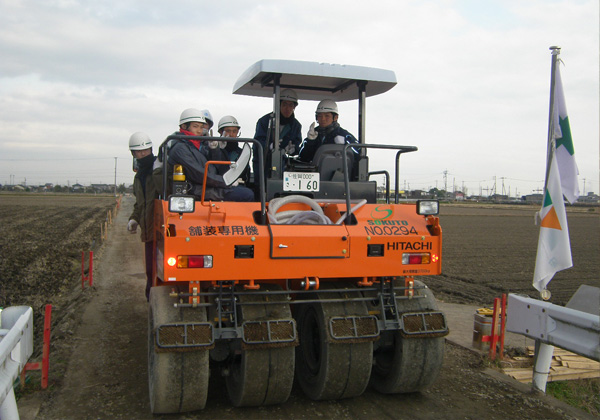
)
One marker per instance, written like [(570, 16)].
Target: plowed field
[(491, 250), (98, 352), (40, 248)]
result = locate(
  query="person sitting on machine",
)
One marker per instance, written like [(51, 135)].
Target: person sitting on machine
[(229, 127), (190, 155), (328, 131), (290, 130)]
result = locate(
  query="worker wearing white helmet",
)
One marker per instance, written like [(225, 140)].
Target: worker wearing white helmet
[(230, 127), (290, 129), (327, 132), (208, 117), (193, 122), (222, 150), (193, 155), (140, 146)]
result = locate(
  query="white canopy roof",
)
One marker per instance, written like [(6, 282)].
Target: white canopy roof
[(312, 80)]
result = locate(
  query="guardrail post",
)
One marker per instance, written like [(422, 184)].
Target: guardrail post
[(45, 352)]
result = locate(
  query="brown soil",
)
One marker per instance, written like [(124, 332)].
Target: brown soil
[(488, 251), (98, 353)]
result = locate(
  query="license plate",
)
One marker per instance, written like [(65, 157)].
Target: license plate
[(301, 181)]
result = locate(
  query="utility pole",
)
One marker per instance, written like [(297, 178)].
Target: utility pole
[(446, 183), (115, 176)]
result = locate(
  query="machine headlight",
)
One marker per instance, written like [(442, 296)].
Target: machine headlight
[(181, 204), (428, 207)]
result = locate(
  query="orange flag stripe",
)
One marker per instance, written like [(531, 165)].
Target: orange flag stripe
[(551, 220)]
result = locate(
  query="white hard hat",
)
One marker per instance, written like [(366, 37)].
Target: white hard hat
[(139, 141), (289, 95), (192, 114), (208, 117), (228, 121), (327, 105)]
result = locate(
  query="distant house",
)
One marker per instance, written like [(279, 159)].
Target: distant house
[(103, 188), (533, 198), (499, 197), (78, 188), (418, 194), (589, 198)]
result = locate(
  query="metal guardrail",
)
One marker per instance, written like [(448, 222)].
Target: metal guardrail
[(556, 325), (16, 346), (575, 328)]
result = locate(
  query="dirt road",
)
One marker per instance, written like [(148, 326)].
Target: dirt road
[(99, 370)]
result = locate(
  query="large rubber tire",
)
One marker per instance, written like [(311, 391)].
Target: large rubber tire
[(261, 376), (410, 364), (178, 381), (329, 369)]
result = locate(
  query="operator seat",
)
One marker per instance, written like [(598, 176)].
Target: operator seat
[(329, 162)]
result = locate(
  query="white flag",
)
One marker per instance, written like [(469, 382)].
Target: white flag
[(565, 153), (554, 247)]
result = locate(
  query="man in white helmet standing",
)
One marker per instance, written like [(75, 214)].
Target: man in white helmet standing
[(191, 154), (140, 146), (290, 130), (327, 132)]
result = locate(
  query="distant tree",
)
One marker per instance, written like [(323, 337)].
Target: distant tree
[(437, 193), (121, 189)]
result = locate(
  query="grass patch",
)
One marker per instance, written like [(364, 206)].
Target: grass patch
[(583, 394)]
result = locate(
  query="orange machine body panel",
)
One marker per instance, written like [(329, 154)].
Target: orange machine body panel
[(371, 247)]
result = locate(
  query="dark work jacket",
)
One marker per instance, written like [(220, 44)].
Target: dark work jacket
[(292, 132), (216, 154), (185, 153), (143, 209), (326, 136)]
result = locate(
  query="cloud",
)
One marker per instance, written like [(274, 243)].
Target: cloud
[(78, 77)]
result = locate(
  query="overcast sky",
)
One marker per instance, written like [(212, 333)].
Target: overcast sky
[(77, 78)]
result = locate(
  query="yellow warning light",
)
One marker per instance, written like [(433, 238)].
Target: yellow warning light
[(178, 173), (171, 261)]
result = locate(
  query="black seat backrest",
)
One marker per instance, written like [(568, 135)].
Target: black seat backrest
[(329, 162)]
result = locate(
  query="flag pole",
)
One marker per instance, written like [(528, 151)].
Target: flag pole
[(544, 352), (551, 146)]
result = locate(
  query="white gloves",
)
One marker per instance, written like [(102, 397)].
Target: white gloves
[(290, 149), (312, 133), (339, 140), (237, 182), (132, 226), (222, 144), (213, 144)]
